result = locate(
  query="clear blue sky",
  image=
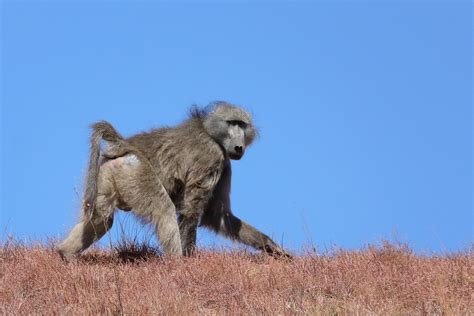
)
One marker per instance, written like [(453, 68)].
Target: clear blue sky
[(364, 110)]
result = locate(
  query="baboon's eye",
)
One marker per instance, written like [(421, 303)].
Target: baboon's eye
[(241, 124), (232, 122)]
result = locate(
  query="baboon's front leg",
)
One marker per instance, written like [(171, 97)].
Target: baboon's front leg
[(196, 198), (232, 227), (187, 229)]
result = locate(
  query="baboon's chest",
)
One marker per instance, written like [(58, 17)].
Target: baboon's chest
[(179, 190)]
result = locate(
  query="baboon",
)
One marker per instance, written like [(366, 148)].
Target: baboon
[(177, 178)]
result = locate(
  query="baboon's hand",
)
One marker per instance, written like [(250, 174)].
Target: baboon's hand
[(277, 252)]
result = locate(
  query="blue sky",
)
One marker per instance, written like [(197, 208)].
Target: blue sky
[(364, 110)]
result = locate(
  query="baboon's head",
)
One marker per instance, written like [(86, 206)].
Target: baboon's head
[(231, 127)]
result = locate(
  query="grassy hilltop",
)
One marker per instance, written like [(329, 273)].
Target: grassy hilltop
[(133, 280)]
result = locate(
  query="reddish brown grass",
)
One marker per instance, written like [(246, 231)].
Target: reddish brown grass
[(387, 279)]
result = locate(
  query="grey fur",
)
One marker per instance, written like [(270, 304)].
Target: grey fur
[(184, 171)]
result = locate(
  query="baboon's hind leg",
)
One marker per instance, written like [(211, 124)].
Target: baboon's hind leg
[(86, 232), (160, 211), (147, 197), (92, 226)]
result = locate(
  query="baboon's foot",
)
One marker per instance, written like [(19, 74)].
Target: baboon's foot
[(190, 251), (65, 255)]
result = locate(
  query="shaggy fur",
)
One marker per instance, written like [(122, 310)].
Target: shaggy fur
[(183, 170)]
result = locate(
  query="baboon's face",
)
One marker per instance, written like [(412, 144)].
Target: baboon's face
[(234, 143), (231, 127)]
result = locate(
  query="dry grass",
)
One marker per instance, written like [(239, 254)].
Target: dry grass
[(387, 279)]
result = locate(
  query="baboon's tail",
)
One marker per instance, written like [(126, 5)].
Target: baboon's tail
[(100, 130)]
